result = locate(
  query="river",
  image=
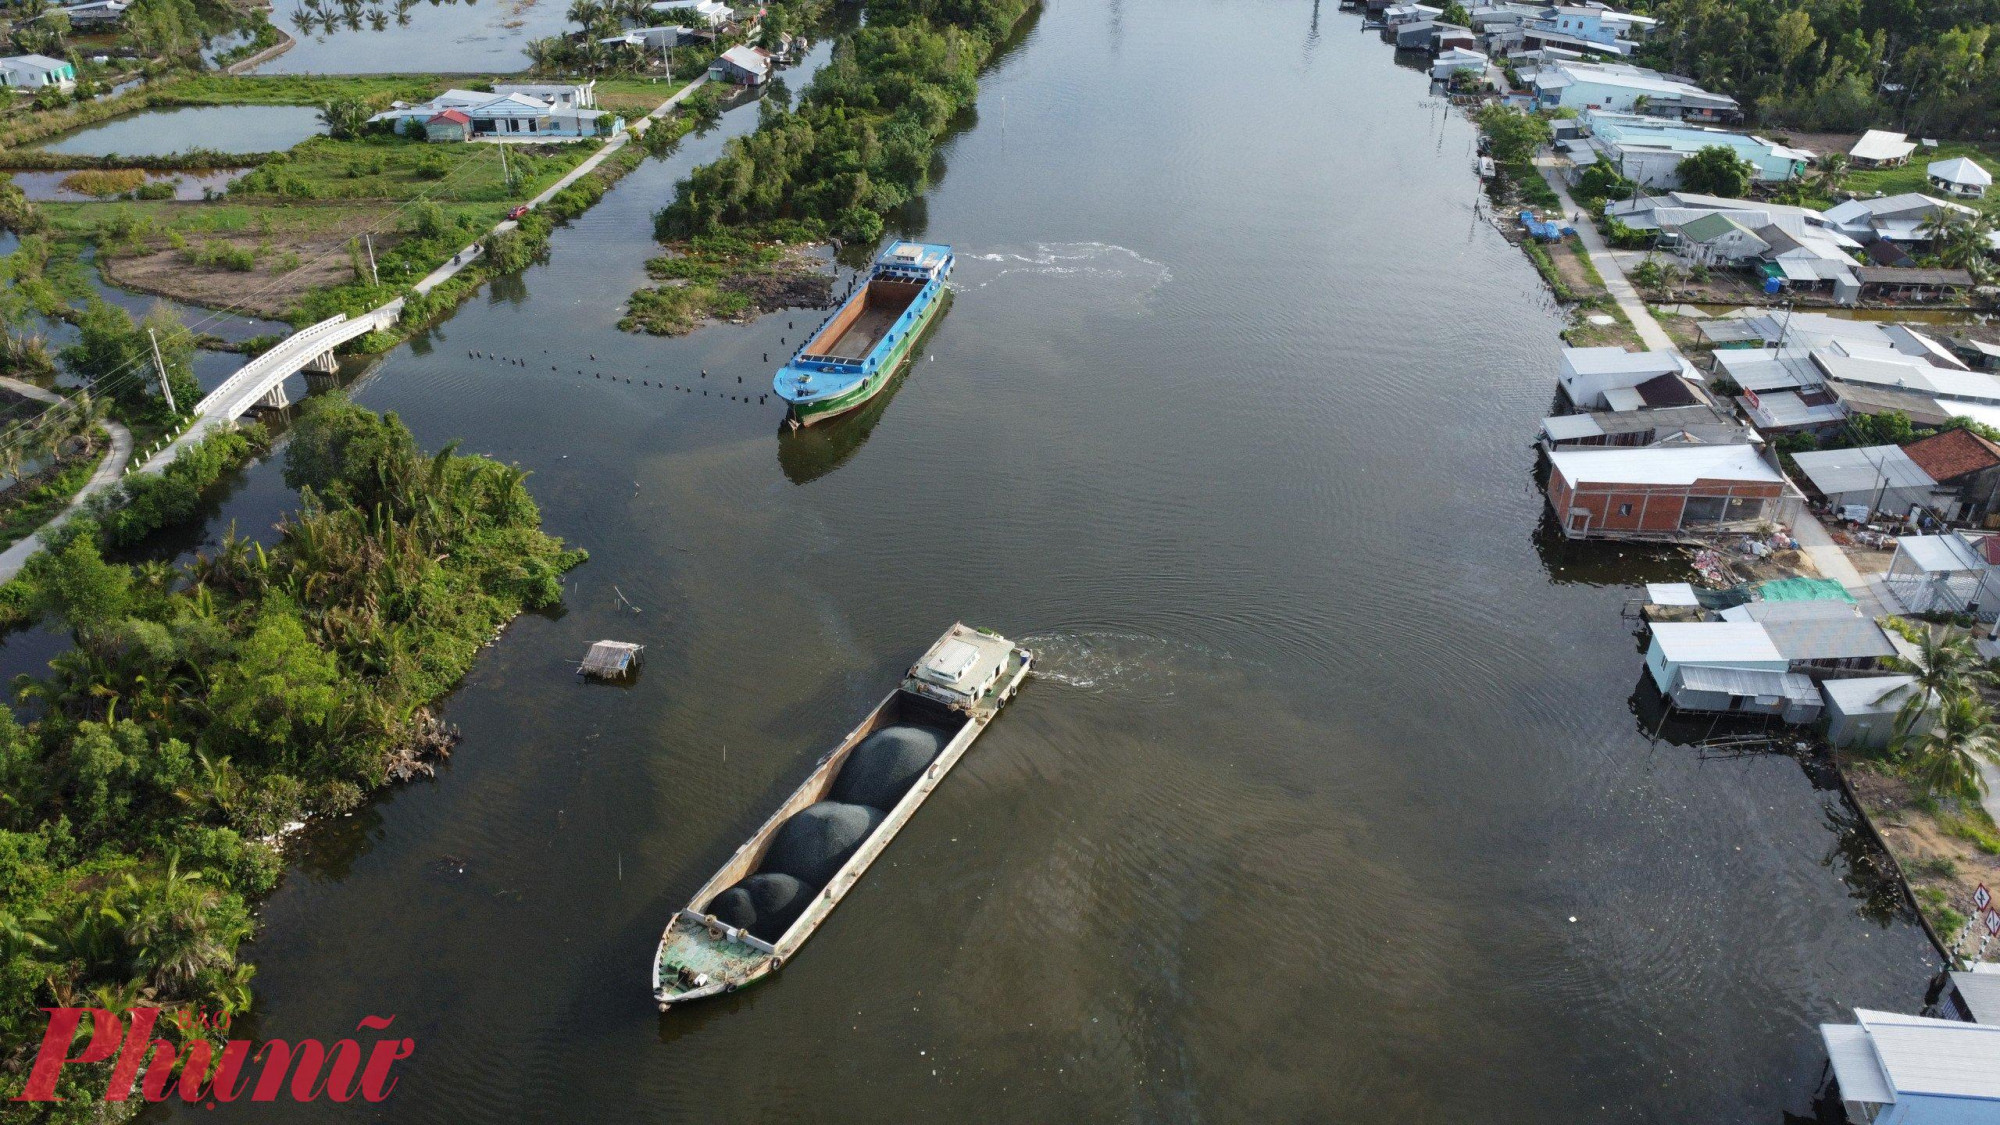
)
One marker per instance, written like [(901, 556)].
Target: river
[(1334, 799)]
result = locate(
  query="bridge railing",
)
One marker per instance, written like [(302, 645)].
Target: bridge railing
[(260, 367)]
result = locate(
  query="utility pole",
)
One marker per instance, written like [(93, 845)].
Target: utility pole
[(369, 239), (160, 366), (505, 175)]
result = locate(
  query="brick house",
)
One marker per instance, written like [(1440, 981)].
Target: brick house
[(1666, 492), (1966, 468)]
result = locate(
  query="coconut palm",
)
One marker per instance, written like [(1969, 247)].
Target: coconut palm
[(1832, 174), (1946, 760), (178, 932), (1945, 667), (1958, 240)]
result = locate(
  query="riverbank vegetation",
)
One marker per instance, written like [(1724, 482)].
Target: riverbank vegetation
[(858, 146), (1923, 790), (721, 275), (1929, 69), (56, 450), (205, 708)]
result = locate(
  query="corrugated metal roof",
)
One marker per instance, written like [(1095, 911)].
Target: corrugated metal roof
[(1571, 427), (1868, 695), (1959, 170), (1940, 553), (1750, 682), (1664, 465), (1815, 610), (1671, 593), (1981, 992), (1606, 360), (1854, 1064), (1878, 144), (1853, 470), (1723, 643), (1945, 1058), (1829, 638)]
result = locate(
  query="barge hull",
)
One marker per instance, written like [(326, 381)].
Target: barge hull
[(730, 959), (812, 413)]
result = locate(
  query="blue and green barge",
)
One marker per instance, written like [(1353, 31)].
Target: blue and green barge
[(857, 351)]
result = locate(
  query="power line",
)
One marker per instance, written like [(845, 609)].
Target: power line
[(133, 369)]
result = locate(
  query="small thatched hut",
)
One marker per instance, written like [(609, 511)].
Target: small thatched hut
[(611, 660)]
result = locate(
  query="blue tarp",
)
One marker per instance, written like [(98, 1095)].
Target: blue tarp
[(1546, 231)]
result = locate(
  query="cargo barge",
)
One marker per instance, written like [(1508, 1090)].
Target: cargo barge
[(855, 352), (751, 918)]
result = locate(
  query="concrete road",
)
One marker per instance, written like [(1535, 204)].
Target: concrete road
[(107, 474)]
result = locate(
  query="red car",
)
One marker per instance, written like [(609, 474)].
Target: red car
[(518, 211)]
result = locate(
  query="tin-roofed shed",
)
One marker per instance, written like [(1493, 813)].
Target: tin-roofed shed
[(611, 660), (1974, 996), (1747, 691), (1861, 712), (1942, 574), (1882, 477)]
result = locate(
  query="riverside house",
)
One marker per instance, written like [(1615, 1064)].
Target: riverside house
[(32, 72), (1727, 666), (518, 112), (1909, 1070), (1666, 492), (1959, 177), (1628, 89), (742, 66), (1648, 150)]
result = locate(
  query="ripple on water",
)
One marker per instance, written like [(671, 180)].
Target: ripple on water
[(1117, 269)]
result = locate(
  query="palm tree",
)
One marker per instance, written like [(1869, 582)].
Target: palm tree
[(1958, 240), (1946, 761), (1945, 666), (1832, 174), (344, 117), (180, 934)]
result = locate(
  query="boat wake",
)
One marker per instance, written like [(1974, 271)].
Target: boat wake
[(1101, 263), (1125, 664)]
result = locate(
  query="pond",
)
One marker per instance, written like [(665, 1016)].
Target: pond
[(47, 187), (221, 128), (406, 36)]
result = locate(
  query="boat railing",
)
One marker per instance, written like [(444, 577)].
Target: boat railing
[(717, 926), (832, 361)]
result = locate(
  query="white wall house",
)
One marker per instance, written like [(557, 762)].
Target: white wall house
[(1909, 1070), (1628, 89), (1589, 375), (701, 13), (32, 72), (1710, 644), (1960, 177)]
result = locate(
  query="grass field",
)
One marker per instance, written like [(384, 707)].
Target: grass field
[(298, 89), (634, 97), (393, 168), (1911, 177)]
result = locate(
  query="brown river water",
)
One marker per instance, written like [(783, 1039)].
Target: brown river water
[(1334, 799)]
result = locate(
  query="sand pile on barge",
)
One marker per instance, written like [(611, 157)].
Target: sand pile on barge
[(818, 839), (766, 904), (886, 764)]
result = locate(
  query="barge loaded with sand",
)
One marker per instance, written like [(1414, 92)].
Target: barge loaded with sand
[(755, 913), (859, 349)]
